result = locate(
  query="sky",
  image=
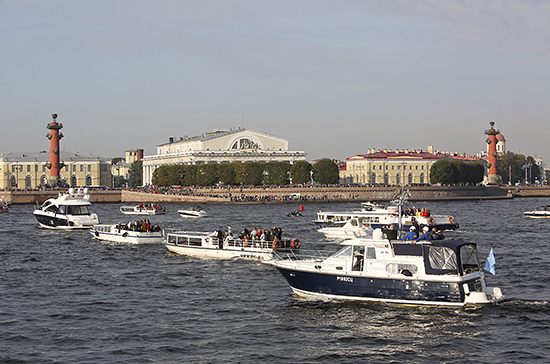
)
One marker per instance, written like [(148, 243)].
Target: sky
[(335, 78)]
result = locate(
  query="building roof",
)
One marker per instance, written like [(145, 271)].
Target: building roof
[(45, 157), (384, 154), (218, 133)]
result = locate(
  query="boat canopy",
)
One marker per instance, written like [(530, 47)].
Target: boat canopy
[(450, 257)]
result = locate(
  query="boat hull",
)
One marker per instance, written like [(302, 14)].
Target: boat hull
[(64, 222), (370, 288), (224, 253), (128, 237)]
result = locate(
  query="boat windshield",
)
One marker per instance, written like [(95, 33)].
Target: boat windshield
[(74, 210), (343, 253), (443, 258), (469, 259)]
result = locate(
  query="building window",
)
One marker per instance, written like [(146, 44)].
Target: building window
[(28, 182), (88, 180), (28, 167), (410, 182), (36, 167), (82, 168), (74, 181), (89, 167), (13, 182)]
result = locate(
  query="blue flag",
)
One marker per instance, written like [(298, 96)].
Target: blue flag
[(490, 265)]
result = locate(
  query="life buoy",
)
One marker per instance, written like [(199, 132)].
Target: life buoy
[(276, 245), (451, 219), (295, 244), (431, 220)]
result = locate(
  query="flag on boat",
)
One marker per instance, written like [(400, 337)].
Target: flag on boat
[(490, 265)]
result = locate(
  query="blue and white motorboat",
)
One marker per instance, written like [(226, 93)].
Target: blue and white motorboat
[(67, 211), (440, 273), (538, 212), (193, 212)]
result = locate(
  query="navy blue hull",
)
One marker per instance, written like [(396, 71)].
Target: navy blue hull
[(390, 290), (52, 221), (449, 226)]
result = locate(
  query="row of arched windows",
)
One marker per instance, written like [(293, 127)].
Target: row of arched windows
[(44, 181)]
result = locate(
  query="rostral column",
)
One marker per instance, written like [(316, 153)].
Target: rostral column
[(54, 135), (492, 149)]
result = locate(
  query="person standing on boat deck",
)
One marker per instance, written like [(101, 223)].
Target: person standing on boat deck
[(426, 235), (438, 235), (411, 235), (219, 234), (415, 223), (391, 233)]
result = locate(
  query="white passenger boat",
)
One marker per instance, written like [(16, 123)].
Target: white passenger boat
[(350, 230), (441, 273), (207, 245), (120, 233), (539, 211), (193, 212), (67, 211), (378, 217), (143, 209)]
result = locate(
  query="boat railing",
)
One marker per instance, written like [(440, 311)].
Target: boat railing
[(279, 245), (313, 255)]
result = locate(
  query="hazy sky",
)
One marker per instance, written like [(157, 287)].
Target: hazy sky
[(333, 77)]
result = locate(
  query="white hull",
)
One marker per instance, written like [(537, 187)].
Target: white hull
[(224, 253), (111, 233), (135, 210), (192, 214)]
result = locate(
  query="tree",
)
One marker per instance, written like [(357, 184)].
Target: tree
[(190, 178), (300, 172), (226, 173), (443, 172), (510, 164), (207, 174), (239, 169), (136, 174), (326, 172), (253, 173), (162, 176), (276, 173)]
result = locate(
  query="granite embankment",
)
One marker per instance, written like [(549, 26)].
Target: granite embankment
[(285, 194)]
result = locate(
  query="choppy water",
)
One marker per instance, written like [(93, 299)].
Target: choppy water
[(66, 298)]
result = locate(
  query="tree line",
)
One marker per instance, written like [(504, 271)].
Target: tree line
[(324, 171)]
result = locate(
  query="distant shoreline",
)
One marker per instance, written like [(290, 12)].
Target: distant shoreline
[(284, 194)]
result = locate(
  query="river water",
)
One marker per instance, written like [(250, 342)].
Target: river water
[(67, 298)]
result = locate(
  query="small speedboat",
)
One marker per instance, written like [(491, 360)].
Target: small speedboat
[(193, 212), (143, 209), (350, 230), (121, 233), (67, 211), (207, 245), (539, 211), (440, 273)]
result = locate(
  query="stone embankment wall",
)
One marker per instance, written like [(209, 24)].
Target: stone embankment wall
[(282, 194)]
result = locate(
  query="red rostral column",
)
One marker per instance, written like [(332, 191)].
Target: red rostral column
[(492, 151), (54, 135)]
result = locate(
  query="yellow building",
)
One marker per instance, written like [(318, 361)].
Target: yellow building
[(121, 169), (28, 170), (388, 167)]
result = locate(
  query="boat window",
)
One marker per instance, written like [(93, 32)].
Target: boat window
[(354, 222), (78, 210), (371, 253), (443, 258), (195, 241), (343, 253), (400, 268), (469, 259), (51, 208)]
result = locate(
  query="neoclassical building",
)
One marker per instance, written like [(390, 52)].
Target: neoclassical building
[(221, 146), (29, 170), (388, 167)]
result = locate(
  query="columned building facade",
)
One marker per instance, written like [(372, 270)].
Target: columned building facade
[(29, 170), (388, 167), (221, 146)]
